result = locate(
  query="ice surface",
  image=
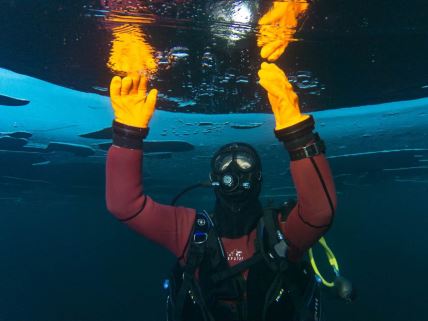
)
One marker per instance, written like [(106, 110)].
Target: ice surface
[(10, 143), (17, 134), (58, 114), (10, 101), (76, 149)]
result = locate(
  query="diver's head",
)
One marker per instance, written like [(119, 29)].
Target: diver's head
[(236, 174)]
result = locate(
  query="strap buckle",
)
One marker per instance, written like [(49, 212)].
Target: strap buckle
[(314, 150), (200, 237), (202, 227)]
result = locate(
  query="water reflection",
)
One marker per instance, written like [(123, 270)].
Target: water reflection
[(352, 52), (208, 61), (130, 51), (278, 26), (232, 21)]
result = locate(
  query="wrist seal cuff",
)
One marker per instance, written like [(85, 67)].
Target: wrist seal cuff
[(300, 140), (296, 131), (128, 136)]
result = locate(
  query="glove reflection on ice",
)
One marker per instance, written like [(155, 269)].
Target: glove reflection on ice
[(278, 26), (130, 52)]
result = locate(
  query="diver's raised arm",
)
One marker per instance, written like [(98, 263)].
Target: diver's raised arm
[(132, 113), (316, 195), (166, 225)]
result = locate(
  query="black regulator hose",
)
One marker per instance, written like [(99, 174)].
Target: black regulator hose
[(188, 189)]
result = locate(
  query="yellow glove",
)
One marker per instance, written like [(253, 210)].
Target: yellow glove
[(129, 101), (278, 26), (283, 100)]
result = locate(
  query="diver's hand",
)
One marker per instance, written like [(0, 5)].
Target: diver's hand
[(277, 28), (283, 99), (129, 101)]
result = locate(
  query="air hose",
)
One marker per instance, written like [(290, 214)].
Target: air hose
[(344, 288), (331, 259)]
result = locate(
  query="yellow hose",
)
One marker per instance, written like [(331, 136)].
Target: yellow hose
[(331, 259)]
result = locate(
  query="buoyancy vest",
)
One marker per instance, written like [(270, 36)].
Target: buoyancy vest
[(207, 289)]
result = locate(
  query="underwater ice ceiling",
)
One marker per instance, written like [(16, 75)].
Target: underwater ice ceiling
[(206, 55)]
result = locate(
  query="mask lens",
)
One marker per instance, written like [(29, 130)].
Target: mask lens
[(244, 161), (223, 162)]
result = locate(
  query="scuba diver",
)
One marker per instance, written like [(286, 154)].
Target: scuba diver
[(243, 261)]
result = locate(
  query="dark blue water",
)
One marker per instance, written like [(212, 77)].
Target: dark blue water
[(65, 258)]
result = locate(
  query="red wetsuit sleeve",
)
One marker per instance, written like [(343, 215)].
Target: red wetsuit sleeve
[(316, 204), (168, 226)]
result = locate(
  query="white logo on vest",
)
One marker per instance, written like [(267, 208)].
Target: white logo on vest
[(235, 255)]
